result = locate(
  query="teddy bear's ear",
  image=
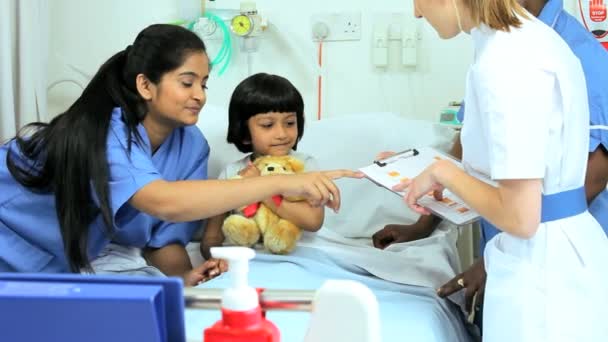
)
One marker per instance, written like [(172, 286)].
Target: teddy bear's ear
[(259, 161), (296, 164)]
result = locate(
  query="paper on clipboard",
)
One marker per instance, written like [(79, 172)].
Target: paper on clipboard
[(408, 164)]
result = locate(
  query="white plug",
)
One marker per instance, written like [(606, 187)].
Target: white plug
[(380, 45), (409, 43), (320, 31)]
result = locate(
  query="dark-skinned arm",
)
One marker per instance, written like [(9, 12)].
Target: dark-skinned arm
[(213, 235), (597, 173), (172, 260)]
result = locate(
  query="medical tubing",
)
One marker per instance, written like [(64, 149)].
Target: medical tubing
[(320, 81), (270, 300), (313, 64), (225, 54)]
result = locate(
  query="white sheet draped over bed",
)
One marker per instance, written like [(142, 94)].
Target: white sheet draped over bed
[(404, 277)]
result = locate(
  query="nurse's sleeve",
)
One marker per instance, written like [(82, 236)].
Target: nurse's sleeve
[(598, 113), (182, 232), (516, 104), (129, 171)]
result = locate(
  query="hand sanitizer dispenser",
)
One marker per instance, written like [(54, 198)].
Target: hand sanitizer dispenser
[(242, 316)]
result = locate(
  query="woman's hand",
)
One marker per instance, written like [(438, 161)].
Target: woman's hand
[(472, 281), (205, 271), (421, 185), (317, 188)]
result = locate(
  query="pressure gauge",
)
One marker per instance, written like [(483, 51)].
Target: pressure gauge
[(241, 25)]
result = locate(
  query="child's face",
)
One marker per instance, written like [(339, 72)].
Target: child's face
[(179, 96), (273, 133)]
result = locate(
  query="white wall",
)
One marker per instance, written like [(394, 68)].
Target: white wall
[(85, 33)]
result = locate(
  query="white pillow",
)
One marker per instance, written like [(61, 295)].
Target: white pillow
[(213, 122), (352, 141), (349, 141)]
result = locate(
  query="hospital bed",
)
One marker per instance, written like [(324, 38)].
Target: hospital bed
[(403, 277)]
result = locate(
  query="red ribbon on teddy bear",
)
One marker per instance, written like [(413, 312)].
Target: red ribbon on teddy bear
[(251, 209)]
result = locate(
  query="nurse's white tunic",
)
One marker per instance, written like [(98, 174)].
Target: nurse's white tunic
[(527, 117)]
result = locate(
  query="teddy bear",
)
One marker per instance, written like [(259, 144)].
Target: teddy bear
[(255, 221)]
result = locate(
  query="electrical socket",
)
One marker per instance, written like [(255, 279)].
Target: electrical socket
[(342, 25)]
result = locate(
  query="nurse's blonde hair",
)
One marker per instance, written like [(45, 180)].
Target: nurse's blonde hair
[(497, 14)]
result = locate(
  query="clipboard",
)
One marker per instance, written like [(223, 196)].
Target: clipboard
[(408, 164)]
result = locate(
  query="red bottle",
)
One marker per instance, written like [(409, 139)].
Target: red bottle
[(242, 317), (242, 326)]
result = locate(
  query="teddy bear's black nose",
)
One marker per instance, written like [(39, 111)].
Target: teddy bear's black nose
[(270, 168)]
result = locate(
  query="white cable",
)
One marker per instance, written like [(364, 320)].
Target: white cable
[(604, 127), (312, 64), (52, 85), (81, 72), (249, 63)]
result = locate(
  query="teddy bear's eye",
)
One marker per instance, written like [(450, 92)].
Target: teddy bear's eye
[(284, 168)]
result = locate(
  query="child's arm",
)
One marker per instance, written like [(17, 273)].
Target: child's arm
[(299, 213), (173, 260), (213, 235)]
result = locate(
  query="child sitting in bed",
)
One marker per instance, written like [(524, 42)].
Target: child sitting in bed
[(266, 117)]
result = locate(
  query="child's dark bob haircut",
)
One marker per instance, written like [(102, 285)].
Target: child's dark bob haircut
[(257, 94)]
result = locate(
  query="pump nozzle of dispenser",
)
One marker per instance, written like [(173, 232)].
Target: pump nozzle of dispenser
[(240, 296), (242, 317)]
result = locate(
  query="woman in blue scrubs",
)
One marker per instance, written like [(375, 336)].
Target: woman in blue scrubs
[(126, 163)]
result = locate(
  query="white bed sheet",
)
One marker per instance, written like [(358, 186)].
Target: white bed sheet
[(403, 277), (408, 312)]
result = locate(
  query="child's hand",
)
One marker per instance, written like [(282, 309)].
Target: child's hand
[(249, 171), (205, 271)]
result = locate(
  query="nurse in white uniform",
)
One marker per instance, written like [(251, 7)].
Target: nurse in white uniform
[(527, 128)]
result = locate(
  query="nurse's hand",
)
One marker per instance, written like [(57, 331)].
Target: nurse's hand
[(472, 281), (423, 184), (205, 271), (317, 188)]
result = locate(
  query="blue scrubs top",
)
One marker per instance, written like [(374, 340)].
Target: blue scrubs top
[(594, 60), (30, 238)]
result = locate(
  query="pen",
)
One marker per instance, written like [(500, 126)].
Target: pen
[(403, 154)]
